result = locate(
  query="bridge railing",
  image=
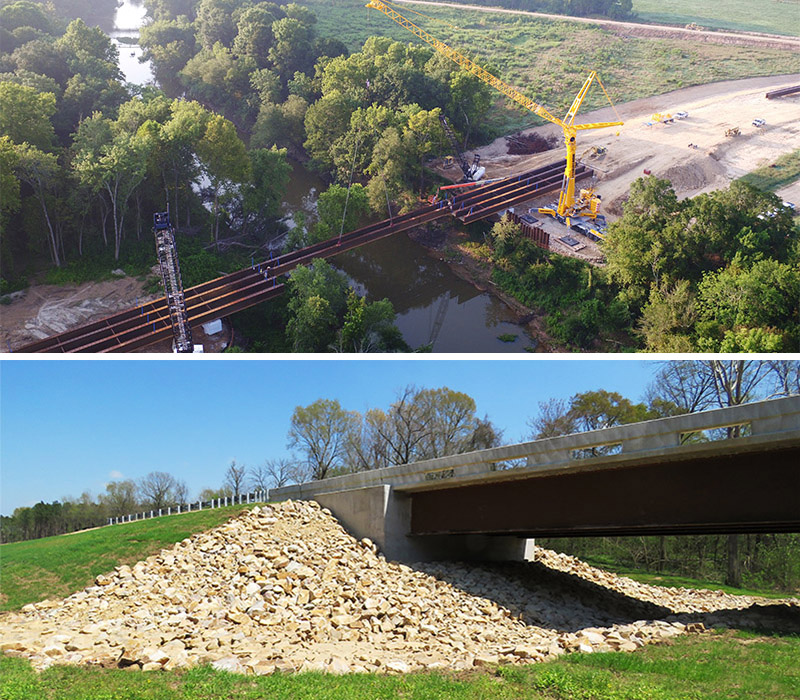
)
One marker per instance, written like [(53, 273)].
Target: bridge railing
[(761, 423)]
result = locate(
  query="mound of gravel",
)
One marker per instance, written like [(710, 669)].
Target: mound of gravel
[(284, 587)]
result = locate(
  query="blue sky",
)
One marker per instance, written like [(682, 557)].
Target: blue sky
[(68, 426)]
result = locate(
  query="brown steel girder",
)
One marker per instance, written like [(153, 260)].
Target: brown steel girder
[(740, 493)]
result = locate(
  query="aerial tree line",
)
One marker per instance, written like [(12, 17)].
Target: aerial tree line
[(717, 272)]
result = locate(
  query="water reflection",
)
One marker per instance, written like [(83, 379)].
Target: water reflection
[(433, 305), (130, 16)]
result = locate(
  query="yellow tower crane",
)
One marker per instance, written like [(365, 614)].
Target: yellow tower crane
[(587, 203)]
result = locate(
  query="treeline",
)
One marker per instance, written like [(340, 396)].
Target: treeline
[(714, 273), (154, 491), (615, 9)]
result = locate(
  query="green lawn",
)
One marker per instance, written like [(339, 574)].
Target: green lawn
[(549, 59), (771, 16), (715, 666), (55, 567), (782, 172)]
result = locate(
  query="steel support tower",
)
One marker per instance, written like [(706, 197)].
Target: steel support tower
[(171, 277)]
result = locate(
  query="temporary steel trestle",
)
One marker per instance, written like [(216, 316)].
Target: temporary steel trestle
[(171, 277), (154, 322)]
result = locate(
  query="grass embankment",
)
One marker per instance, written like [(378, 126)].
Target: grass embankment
[(784, 171), (548, 60), (773, 16), (55, 567), (729, 665)]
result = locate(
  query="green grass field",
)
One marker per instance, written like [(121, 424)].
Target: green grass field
[(716, 666), (782, 172), (549, 60), (55, 567), (771, 16)]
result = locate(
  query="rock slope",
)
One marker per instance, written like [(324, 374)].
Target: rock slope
[(284, 587)]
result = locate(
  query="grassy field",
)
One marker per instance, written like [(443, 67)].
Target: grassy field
[(716, 666), (771, 16), (782, 172), (55, 567), (549, 60)]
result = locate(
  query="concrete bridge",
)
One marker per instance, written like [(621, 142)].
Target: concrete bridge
[(680, 475)]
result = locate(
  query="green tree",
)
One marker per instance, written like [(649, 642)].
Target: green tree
[(369, 327), (318, 299), (668, 319), (169, 44), (636, 246), (9, 184), (115, 166), (215, 22), (25, 115), (588, 410), (763, 298), (263, 194), (224, 161), (320, 431), (339, 210), (43, 174)]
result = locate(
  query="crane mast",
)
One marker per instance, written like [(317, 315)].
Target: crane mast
[(568, 206)]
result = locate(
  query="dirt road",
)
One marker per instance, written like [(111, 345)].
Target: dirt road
[(663, 31)]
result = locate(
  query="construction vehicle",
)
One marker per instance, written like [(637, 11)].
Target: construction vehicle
[(171, 278), (593, 152), (568, 205), (734, 131), (664, 118), (472, 172)]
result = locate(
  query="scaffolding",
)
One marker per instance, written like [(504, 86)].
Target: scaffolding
[(171, 278)]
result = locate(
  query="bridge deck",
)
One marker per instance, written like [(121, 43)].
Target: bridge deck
[(150, 323)]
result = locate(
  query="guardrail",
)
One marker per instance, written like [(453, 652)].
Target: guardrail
[(224, 502), (767, 422)]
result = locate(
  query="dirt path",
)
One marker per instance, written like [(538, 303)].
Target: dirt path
[(663, 31)]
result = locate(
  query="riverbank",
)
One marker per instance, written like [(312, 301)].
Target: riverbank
[(467, 264)]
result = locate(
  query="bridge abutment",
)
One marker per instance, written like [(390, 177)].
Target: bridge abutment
[(384, 516)]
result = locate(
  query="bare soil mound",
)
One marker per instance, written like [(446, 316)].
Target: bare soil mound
[(285, 587)]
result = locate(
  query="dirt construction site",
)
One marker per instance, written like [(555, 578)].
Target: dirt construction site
[(693, 152)]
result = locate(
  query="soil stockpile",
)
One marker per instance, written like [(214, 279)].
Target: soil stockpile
[(285, 587)]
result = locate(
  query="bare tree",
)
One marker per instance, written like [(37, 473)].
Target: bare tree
[(554, 419), (181, 492), (273, 474), (157, 489), (235, 477)]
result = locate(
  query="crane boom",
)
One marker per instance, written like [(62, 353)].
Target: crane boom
[(567, 204)]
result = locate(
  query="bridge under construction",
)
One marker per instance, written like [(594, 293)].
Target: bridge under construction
[(151, 323)]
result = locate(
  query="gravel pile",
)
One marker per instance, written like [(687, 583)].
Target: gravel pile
[(284, 587)]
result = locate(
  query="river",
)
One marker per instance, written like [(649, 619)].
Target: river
[(128, 19), (434, 306)]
